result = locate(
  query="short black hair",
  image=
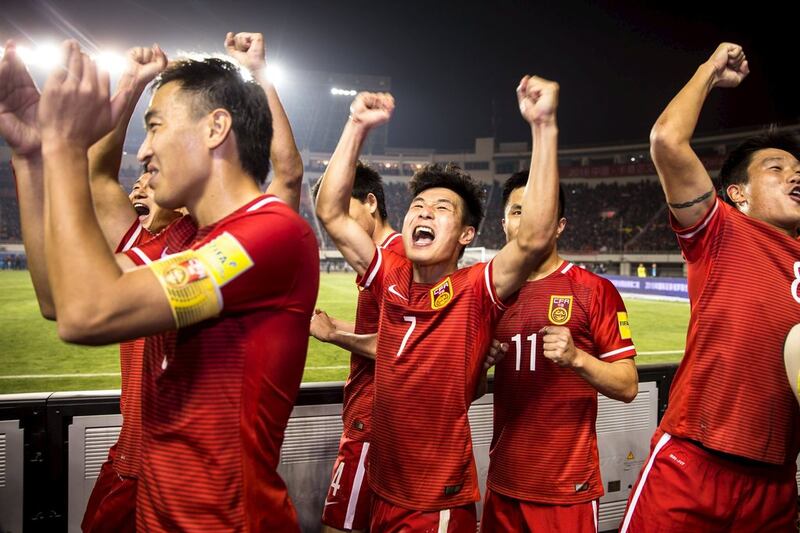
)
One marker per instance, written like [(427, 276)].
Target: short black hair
[(367, 181), (520, 179), (734, 169), (450, 176), (217, 83)]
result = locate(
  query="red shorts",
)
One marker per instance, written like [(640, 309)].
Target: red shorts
[(112, 504), (390, 518), (502, 514), (684, 488), (348, 500)]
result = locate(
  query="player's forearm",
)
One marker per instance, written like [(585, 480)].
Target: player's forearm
[(537, 228), (287, 165), (617, 380), (81, 268), (365, 345), (29, 173), (333, 199), (342, 325), (675, 126)]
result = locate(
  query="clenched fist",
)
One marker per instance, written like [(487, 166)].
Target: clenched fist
[(558, 346), (248, 49), (372, 109), (143, 65), (730, 65), (538, 100)]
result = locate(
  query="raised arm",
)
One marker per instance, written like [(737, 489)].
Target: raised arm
[(686, 182), (95, 302), (287, 165), (112, 205), (369, 110), (19, 101), (538, 100)]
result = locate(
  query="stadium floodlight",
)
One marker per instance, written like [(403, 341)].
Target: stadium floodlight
[(335, 91), (45, 56), (111, 62), (276, 74)]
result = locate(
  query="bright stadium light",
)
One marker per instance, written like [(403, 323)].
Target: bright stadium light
[(276, 74), (335, 91), (45, 56), (111, 62)]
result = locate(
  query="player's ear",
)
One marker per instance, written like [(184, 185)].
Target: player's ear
[(372, 203), (467, 235), (736, 192), (219, 123), (562, 223)]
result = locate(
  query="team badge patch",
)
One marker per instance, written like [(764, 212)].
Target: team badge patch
[(442, 294), (227, 258), (560, 309), (624, 325)]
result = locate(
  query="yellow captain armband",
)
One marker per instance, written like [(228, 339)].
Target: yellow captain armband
[(192, 280)]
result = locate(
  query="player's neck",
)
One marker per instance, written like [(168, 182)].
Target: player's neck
[(433, 273), (550, 265), (223, 194), (381, 232)]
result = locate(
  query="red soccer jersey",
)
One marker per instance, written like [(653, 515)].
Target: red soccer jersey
[(126, 460), (359, 388), (544, 447), (730, 392), (432, 339), (217, 395)]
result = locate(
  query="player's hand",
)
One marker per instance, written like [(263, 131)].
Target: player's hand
[(143, 65), (19, 101), (730, 65), (497, 352), (248, 49), (75, 107), (370, 110), (558, 346), (322, 327), (538, 100)]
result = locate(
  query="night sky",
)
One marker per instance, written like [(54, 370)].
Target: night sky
[(454, 65)]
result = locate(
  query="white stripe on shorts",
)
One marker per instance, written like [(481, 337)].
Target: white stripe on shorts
[(359, 479), (444, 520), (629, 513), (594, 514)]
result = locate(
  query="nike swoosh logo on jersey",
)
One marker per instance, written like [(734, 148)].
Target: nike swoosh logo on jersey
[(394, 291), (327, 503), (164, 252)]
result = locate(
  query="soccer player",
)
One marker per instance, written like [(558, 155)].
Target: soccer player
[(348, 500), (569, 339), (217, 393), (435, 320), (723, 457)]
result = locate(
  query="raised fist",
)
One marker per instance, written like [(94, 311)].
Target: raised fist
[(730, 65), (372, 109), (538, 99), (19, 100), (248, 49), (75, 107), (143, 65)]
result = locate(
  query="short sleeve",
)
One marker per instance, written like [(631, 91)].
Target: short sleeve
[(694, 240), (264, 259), (610, 328), (135, 235)]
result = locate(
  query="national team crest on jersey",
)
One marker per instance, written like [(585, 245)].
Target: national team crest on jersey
[(442, 294), (560, 310)]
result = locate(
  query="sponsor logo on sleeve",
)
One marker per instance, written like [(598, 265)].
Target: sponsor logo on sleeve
[(560, 310), (227, 258), (624, 325), (442, 294)]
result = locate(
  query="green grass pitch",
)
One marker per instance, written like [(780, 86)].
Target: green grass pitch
[(33, 359)]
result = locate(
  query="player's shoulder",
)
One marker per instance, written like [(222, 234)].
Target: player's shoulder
[(269, 214), (394, 243), (583, 277)]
